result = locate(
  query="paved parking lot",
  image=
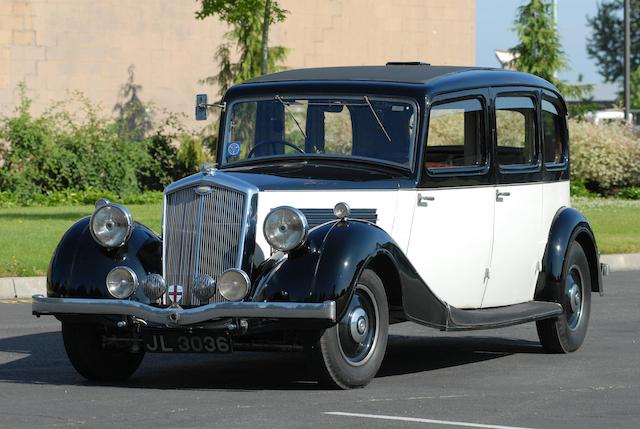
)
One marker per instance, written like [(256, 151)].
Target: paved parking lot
[(485, 379)]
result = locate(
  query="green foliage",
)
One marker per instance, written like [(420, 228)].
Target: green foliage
[(68, 197), (69, 158), (247, 19), (605, 156), (579, 189), (191, 154), (606, 44), (539, 51), (629, 193)]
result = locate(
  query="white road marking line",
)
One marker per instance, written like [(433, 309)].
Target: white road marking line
[(414, 419)]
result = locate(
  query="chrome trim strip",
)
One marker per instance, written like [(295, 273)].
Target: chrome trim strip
[(172, 316)]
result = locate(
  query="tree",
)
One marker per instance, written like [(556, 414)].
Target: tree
[(250, 21), (606, 44), (540, 51)]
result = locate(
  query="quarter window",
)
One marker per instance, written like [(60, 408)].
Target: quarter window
[(515, 130), (553, 132), (455, 136)]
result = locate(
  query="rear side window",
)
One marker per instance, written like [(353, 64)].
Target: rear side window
[(455, 137), (553, 129), (515, 130)]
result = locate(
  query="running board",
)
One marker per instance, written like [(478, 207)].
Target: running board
[(499, 317)]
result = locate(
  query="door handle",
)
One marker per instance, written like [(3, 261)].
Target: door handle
[(499, 195), (424, 199)]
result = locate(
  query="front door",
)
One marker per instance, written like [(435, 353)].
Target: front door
[(452, 229), (518, 242)]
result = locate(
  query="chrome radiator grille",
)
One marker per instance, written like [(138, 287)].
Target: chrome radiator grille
[(202, 235)]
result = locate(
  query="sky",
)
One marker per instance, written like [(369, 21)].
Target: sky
[(494, 31)]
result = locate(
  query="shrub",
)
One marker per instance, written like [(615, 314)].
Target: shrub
[(604, 156), (62, 156)]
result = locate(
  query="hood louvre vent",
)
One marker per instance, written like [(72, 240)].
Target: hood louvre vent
[(317, 217)]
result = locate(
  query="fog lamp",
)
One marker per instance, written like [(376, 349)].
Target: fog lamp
[(121, 282), (233, 284)]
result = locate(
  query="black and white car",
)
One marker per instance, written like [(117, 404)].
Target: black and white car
[(343, 200)]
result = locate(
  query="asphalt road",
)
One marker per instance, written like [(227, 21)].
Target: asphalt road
[(428, 379)]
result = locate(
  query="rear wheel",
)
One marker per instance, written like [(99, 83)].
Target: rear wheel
[(93, 359), (566, 333), (350, 353)]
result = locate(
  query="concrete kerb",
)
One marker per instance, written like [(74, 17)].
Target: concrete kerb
[(25, 287)]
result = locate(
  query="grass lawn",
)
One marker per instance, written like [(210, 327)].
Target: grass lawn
[(616, 223), (29, 235)]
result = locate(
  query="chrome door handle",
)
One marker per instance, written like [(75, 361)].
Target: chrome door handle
[(423, 199), (499, 195)]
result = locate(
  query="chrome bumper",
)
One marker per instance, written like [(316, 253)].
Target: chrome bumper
[(178, 316)]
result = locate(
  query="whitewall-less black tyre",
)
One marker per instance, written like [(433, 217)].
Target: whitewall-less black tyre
[(350, 353), (566, 333), (83, 343)]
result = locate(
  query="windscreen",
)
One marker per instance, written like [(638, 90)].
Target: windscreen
[(380, 129)]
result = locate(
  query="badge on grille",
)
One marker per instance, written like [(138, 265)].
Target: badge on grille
[(175, 293)]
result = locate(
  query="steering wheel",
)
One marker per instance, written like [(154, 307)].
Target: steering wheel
[(273, 143)]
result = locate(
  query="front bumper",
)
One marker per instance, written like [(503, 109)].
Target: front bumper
[(175, 316)]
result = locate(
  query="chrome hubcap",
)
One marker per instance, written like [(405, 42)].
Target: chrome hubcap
[(573, 292), (358, 329), (358, 324)]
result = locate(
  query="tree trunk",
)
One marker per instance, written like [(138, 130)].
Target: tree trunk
[(264, 68)]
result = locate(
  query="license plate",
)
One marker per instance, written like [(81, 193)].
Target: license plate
[(181, 342)]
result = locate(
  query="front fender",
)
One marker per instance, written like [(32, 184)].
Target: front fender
[(79, 265), (328, 267)]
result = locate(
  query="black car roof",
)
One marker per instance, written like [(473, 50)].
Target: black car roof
[(424, 74)]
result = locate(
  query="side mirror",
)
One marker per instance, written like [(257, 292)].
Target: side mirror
[(201, 107)]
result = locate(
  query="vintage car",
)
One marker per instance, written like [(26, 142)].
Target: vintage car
[(343, 200)]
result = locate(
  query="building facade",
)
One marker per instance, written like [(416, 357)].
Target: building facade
[(57, 46)]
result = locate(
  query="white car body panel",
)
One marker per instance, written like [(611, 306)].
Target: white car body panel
[(450, 244)]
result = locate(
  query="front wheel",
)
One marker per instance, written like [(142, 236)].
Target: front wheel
[(350, 353), (566, 333), (93, 359)]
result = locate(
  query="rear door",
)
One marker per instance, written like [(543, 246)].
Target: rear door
[(518, 239), (452, 227)]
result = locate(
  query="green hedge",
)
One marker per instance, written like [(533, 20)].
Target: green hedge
[(61, 157), (605, 157)]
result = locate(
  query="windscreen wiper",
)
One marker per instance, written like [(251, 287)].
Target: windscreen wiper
[(286, 107), (375, 115)]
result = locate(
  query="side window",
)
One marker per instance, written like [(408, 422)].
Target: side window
[(553, 125), (515, 130), (455, 136)]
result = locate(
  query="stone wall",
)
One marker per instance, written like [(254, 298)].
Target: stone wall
[(56, 46)]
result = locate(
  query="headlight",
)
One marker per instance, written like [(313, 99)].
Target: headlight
[(285, 228), (111, 224), (233, 284), (121, 282)]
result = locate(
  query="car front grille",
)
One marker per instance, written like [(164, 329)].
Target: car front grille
[(202, 235)]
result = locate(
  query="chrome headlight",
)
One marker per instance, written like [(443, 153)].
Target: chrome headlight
[(111, 224), (122, 282), (285, 228), (234, 284)]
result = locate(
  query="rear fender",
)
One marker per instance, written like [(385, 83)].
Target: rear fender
[(568, 225)]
